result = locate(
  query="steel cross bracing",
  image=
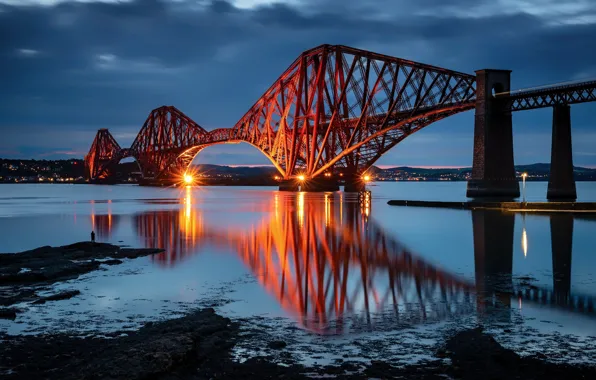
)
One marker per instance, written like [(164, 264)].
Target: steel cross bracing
[(103, 151), (334, 107), (341, 107), (168, 141), (550, 96)]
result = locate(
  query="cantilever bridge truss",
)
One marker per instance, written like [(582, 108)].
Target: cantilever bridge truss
[(334, 108)]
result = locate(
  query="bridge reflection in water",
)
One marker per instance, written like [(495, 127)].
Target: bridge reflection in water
[(330, 266)]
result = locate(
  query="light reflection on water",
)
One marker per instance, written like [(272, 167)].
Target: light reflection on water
[(332, 263)]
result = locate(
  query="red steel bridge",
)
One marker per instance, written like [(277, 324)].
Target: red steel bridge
[(333, 268), (337, 110)]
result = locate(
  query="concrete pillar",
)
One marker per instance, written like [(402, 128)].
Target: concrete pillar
[(493, 171), (493, 260), (354, 183), (320, 184), (288, 185), (561, 184), (561, 235)]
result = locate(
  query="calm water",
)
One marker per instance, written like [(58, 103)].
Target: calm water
[(327, 263)]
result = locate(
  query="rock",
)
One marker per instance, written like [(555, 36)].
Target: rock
[(154, 350), (9, 313), (112, 262), (58, 296), (47, 265), (277, 344)]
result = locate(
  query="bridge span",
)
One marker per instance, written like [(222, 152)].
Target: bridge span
[(336, 110)]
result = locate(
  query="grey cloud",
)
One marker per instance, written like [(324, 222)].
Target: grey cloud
[(213, 60)]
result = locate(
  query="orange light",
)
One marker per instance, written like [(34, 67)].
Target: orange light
[(188, 179), (276, 178), (301, 178), (366, 178)]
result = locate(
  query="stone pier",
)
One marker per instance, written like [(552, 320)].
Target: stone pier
[(354, 184), (493, 171), (561, 184)]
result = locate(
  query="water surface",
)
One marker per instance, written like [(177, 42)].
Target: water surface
[(331, 264)]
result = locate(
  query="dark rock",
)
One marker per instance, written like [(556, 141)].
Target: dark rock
[(112, 262), (161, 348), (277, 344), (47, 265), (10, 313), (58, 296)]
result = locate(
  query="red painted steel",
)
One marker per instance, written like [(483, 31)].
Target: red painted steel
[(104, 151), (335, 109)]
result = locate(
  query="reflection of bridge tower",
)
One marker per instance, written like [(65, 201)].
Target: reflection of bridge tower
[(103, 224), (493, 256), (178, 232), (561, 232)]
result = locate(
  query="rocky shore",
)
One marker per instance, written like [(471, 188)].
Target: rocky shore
[(203, 344), (198, 346), (24, 274)]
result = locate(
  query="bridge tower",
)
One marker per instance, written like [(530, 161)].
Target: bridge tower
[(493, 171), (561, 184)]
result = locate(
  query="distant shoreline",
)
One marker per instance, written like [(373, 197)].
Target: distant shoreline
[(251, 183)]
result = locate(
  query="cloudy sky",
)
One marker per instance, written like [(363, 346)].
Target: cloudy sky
[(71, 67)]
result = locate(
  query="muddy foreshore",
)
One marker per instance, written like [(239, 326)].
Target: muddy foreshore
[(24, 274), (199, 345)]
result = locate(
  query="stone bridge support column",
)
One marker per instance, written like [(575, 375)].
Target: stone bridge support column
[(493, 171), (320, 183), (289, 185), (354, 183), (561, 184)]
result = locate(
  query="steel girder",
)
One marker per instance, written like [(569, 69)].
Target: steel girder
[(341, 107), (550, 96), (335, 107), (165, 136), (103, 152)]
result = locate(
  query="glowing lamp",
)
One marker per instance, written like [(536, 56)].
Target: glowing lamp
[(301, 178), (188, 179), (366, 178)]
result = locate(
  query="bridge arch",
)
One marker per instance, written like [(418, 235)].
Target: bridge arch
[(185, 159)]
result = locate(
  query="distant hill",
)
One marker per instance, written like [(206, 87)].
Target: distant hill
[(536, 172), (240, 171), (10, 169)]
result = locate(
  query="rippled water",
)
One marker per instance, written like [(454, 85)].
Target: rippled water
[(331, 264)]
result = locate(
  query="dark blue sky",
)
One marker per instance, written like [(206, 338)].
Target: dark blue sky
[(71, 67)]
